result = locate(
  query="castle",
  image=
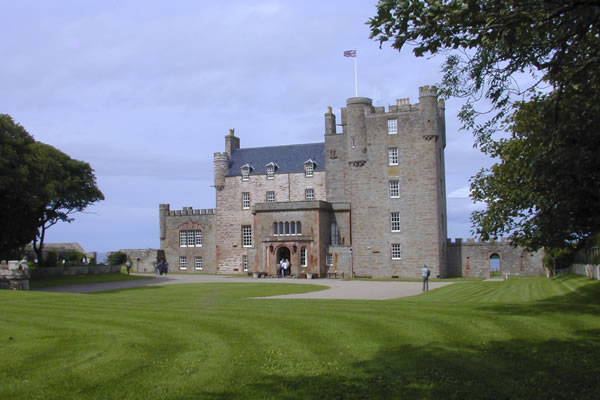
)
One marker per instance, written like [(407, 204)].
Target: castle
[(368, 201)]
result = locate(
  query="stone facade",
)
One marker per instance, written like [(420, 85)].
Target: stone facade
[(471, 258), (368, 201)]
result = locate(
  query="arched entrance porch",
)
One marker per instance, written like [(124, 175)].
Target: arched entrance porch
[(283, 253)]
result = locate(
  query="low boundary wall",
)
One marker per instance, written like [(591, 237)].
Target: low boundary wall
[(590, 270), (75, 270)]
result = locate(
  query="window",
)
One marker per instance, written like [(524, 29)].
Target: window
[(245, 263), (190, 238), (270, 197), (396, 252), (198, 263), (182, 262), (329, 259), (392, 126), (335, 234), (198, 238), (332, 154), (393, 155), (270, 171), (303, 256), (246, 236), (309, 194), (245, 174), (245, 200), (308, 170), (394, 189), (395, 220), (287, 228)]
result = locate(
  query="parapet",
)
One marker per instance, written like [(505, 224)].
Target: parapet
[(428, 91), (189, 211), (219, 156), (476, 241)]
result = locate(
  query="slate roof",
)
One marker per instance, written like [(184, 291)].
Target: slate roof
[(289, 158)]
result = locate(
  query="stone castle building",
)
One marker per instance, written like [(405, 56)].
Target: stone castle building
[(368, 201)]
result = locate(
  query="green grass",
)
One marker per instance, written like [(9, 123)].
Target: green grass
[(519, 339), (54, 281)]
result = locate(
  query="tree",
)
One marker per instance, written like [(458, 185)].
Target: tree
[(542, 190), (18, 220), (65, 186)]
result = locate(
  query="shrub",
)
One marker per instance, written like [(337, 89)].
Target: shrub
[(116, 258), (72, 256), (51, 259)]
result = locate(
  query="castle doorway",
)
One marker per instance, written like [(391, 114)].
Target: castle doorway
[(495, 264), (283, 253)]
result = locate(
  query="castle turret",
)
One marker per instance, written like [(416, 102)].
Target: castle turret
[(429, 109), (356, 124), (330, 122), (163, 212), (232, 142), (221, 165)]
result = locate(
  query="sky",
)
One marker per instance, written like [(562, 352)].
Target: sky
[(145, 92)]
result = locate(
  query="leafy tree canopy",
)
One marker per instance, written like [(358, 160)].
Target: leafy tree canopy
[(66, 186), (39, 186), (18, 224), (541, 191)]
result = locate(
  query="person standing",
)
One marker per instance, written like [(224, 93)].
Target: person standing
[(128, 266), (425, 273)]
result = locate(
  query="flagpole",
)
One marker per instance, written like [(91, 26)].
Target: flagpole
[(355, 78)]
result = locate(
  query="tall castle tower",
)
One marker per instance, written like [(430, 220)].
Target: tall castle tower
[(390, 167)]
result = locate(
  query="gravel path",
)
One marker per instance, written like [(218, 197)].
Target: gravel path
[(338, 288)]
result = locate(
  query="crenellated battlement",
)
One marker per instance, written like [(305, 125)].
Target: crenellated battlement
[(425, 91), (475, 241), (188, 211)]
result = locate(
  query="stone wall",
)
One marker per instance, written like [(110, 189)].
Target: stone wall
[(75, 270), (188, 219), (362, 150), (143, 260), (230, 216), (471, 258)]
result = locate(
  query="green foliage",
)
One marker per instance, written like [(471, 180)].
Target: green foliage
[(519, 339), (72, 256), (18, 224), (66, 186), (50, 261), (544, 188), (558, 258), (116, 258), (39, 186)]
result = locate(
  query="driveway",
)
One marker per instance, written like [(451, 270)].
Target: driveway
[(338, 288)]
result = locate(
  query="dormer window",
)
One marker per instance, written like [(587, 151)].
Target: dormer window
[(309, 167), (245, 169), (271, 167)]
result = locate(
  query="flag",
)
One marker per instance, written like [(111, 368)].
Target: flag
[(350, 53)]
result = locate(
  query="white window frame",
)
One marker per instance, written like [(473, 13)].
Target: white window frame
[(270, 196), (245, 263), (182, 238), (393, 156), (392, 125), (394, 189), (309, 194), (395, 221), (309, 169), (246, 236), (396, 251), (303, 257), (198, 263), (245, 174), (245, 200), (270, 171), (329, 259), (182, 263), (190, 238)]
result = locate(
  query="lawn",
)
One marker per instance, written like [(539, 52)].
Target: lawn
[(520, 339), (54, 281)]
